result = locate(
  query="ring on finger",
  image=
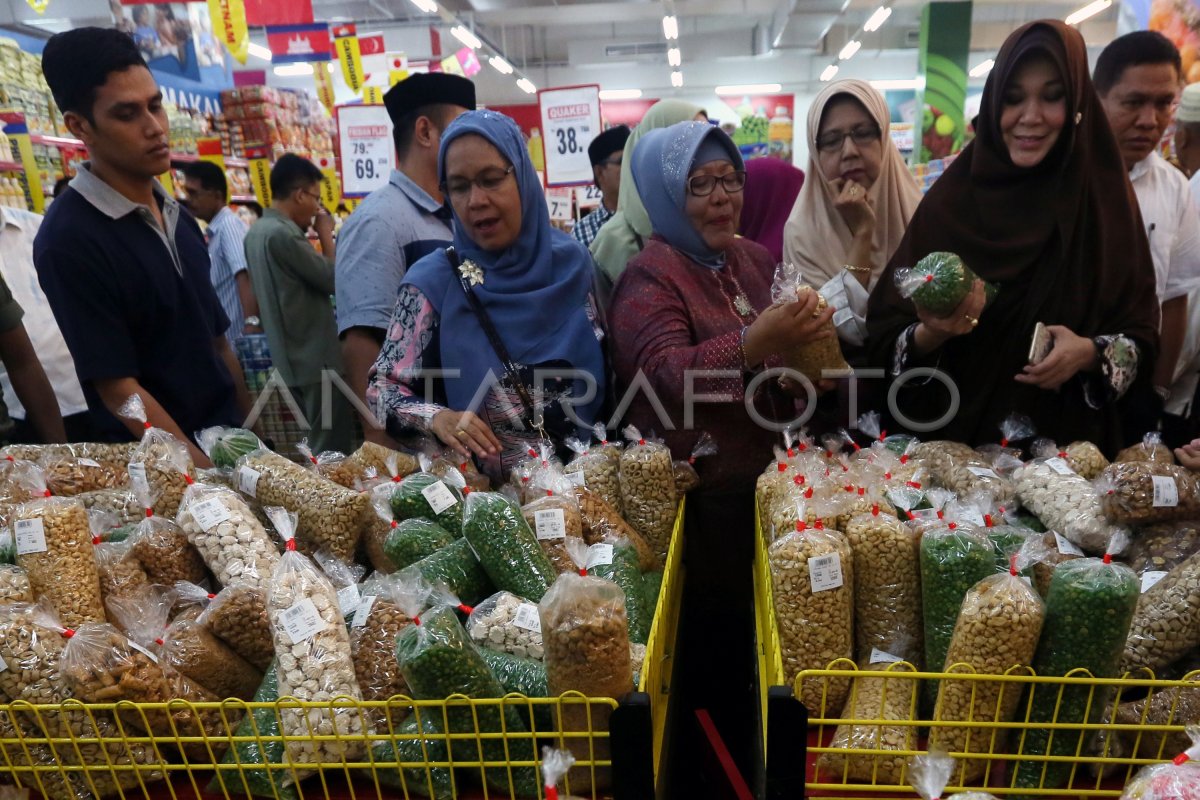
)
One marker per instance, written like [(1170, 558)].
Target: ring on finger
[(974, 322), (461, 433)]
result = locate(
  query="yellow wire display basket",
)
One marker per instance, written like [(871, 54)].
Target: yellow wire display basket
[(74, 750), (1071, 737)]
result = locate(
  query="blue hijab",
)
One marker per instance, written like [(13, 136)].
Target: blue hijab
[(535, 291), (661, 164)]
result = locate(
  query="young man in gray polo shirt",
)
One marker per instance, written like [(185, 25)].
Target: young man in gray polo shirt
[(395, 225)]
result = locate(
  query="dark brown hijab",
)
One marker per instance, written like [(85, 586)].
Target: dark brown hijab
[(1063, 240)]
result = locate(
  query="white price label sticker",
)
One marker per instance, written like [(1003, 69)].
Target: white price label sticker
[(588, 196), (599, 555), (31, 536), (527, 618), (1150, 578), (1060, 466), (570, 120), (825, 572), (209, 513), (982, 472), (348, 599), (87, 462), (577, 479), (367, 151), (880, 657), (973, 516), (438, 496), (550, 524), (1166, 493), (558, 201), (248, 481), (1066, 546), (302, 621), (143, 650), (363, 612), (137, 476), (925, 514)]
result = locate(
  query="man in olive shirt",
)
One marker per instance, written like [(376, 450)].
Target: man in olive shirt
[(293, 284)]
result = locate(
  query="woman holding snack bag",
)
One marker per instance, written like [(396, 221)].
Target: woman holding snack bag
[(1035, 222)]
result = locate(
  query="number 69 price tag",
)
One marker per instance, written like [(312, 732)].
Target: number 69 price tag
[(366, 148)]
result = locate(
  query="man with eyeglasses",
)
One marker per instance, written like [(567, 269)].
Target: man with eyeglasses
[(1138, 78), (605, 153), (293, 284)]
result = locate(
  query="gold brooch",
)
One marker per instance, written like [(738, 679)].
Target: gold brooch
[(471, 273)]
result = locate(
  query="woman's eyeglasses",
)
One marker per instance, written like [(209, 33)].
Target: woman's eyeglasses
[(488, 180), (704, 185), (835, 140)]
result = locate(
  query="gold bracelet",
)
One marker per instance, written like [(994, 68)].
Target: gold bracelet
[(858, 270)]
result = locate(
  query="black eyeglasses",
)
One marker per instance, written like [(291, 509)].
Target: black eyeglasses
[(835, 140), (488, 180), (613, 162), (704, 185)]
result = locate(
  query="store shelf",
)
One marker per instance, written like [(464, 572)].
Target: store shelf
[(243, 198), (11, 166), (56, 141)]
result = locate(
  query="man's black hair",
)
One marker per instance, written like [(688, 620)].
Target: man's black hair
[(78, 62), (209, 175), (405, 129), (1133, 50), (292, 172)]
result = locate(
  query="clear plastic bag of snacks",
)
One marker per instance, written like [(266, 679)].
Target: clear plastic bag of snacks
[(1151, 448), (598, 465), (939, 283), (161, 464), (648, 490), (1178, 779), (228, 536), (822, 358)]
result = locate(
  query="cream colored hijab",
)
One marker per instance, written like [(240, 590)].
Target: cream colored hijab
[(617, 241), (816, 238)]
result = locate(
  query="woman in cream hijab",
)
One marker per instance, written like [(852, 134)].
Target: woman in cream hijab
[(855, 206), (624, 236)]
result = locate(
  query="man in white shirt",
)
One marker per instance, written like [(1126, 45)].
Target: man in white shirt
[(17, 231), (1180, 419), (1138, 78)]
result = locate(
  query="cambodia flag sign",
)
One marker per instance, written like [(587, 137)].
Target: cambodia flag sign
[(290, 44)]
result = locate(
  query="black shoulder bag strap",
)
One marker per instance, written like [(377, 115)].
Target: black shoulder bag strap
[(493, 336)]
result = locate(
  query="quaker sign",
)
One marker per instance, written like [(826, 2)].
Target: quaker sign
[(570, 120)]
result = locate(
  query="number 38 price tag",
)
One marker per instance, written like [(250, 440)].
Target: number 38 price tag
[(570, 119), (366, 148)]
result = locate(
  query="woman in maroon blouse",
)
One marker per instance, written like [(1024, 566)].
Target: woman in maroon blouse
[(692, 315)]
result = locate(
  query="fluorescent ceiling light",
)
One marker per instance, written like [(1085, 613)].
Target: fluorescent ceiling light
[(620, 94), (876, 20), (674, 57), (677, 79), (884, 85), (428, 6), (466, 37), (293, 70), (749, 88), (671, 26), (258, 51), (1088, 11), (982, 68), (829, 72), (847, 52), (500, 65), (527, 86)]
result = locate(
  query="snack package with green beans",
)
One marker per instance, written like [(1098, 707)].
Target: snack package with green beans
[(426, 496), (939, 283), (224, 446), (1006, 541), (8, 547), (523, 676), (438, 660), (261, 723), (413, 539), (615, 560), (1089, 609), (952, 561), (416, 742), (506, 546), (456, 566), (651, 587)]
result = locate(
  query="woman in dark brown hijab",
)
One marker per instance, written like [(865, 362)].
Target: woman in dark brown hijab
[(1040, 205)]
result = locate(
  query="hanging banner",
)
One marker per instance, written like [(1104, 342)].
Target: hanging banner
[(374, 58), (451, 66), (229, 26), (373, 95), (290, 44), (398, 69), (365, 146), (345, 43), (259, 167), (279, 12), (324, 85), (39, 5), (570, 120), (331, 187), (942, 70)]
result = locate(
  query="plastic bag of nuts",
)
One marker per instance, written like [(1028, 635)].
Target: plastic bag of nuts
[(614, 560), (228, 536), (1084, 458), (875, 698), (380, 524), (163, 550), (506, 547), (599, 466), (344, 578), (585, 631), (161, 464), (385, 461), (331, 516), (373, 631), (121, 502), (930, 775), (648, 490), (887, 587), (112, 455), (1161, 548), (67, 476), (313, 648), (957, 467), (120, 573), (1178, 779), (238, 614), (812, 578), (686, 477), (14, 585), (509, 624), (817, 360), (555, 520), (996, 634), (1166, 623), (1064, 502), (601, 520), (54, 547), (1148, 492), (1151, 448)]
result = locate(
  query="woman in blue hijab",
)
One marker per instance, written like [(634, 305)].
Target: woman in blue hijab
[(512, 272)]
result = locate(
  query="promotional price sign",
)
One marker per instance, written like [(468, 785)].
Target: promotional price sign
[(559, 203), (570, 120), (260, 174), (368, 155), (345, 43), (588, 196)]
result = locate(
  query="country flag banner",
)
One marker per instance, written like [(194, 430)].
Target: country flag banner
[(291, 44)]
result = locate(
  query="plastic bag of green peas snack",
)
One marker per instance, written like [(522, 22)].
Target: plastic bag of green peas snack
[(456, 566), (261, 723), (413, 539), (1089, 609), (523, 676), (438, 660), (939, 283), (419, 738), (427, 496), (506, 546), (651, 587), (224, 446)]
